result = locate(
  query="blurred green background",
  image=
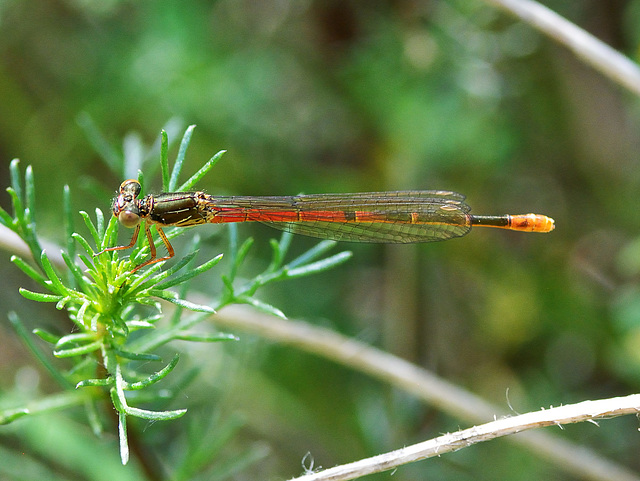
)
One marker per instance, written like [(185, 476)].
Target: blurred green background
[(345, 96)]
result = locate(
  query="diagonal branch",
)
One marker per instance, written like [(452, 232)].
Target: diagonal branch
[(453, 400), (11, 242), (584, 411), (423, 384), (585, 46)]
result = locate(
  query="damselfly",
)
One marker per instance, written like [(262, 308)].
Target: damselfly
[(390, 217)]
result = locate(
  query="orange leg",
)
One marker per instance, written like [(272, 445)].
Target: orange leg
[(152, 247), (117, 248)]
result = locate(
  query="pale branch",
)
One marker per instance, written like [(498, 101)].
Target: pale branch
[(574, 413), (445, 396), (453, 400), (11, 242), (585, 46)]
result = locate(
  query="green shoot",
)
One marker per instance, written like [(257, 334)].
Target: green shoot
[(106, 303)]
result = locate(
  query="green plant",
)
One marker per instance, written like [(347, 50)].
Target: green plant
[(107, 304)]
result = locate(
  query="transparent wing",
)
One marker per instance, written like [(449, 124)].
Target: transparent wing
[(393, 217)]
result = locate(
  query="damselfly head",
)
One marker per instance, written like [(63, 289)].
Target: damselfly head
[(125, 206)]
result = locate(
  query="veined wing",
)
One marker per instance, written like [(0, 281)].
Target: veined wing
[(395, 217)]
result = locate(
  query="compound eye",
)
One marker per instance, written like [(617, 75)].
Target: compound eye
[(128, 219), (130, 187)]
